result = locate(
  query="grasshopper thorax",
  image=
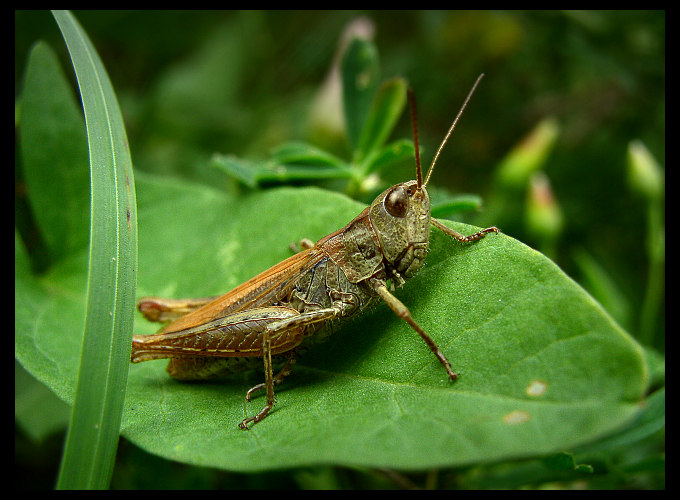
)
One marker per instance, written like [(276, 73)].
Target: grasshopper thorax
[(400, 217)]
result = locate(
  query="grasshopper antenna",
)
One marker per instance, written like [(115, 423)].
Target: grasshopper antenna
[(414, 123), (446, 138)]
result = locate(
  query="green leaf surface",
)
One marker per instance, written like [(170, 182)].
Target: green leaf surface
[(37, 411), (543, 367), (650, 420)]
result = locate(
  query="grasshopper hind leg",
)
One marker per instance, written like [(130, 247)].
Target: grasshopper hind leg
[(269, 385), (278, 378), (267, 355), (343, 304)]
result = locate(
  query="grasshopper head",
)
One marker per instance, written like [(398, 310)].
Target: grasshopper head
[(401, 219), (401, 215)]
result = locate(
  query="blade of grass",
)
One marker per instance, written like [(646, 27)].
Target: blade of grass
[(92, 438)]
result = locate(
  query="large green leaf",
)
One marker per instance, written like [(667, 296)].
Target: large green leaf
[(543, 368)]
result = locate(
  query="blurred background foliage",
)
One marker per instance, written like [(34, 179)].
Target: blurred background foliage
[(564, 141)]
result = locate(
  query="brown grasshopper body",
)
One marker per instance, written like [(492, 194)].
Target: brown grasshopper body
[(300, 301)]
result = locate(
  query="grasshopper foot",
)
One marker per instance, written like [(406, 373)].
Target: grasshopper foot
[(257, 418), (253, 390)]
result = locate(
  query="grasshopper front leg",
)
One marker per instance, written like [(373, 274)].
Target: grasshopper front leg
[(461, 237), (402, 311)]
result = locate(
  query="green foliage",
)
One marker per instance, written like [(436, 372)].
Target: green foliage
[(371, 111)]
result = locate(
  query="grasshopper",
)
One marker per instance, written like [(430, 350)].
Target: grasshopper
[(279, 313)]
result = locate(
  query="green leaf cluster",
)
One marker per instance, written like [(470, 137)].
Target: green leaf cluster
[(371, 111)]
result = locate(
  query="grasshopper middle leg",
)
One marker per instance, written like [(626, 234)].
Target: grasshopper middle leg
[(402, 312)]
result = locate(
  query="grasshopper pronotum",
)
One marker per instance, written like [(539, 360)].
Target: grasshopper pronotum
[(285, 309)]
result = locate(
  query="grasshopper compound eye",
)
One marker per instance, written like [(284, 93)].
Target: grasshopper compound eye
[(396, 202)]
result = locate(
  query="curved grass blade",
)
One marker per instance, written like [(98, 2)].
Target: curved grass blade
[(92, 438)]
